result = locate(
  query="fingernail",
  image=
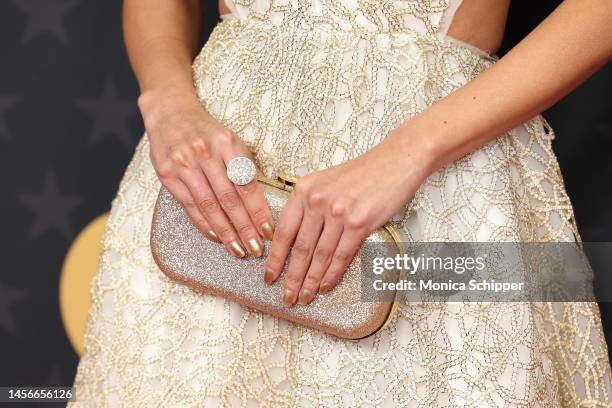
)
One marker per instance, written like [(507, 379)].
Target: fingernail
[(213, 236), (254, 247), (325, 287), (237, 249), (288, 297), (268, 276), (267, 230), (304, 296)]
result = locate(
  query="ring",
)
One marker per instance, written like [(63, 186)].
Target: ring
[(241, 170)]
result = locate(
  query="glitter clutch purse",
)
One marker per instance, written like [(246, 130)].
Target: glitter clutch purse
[(185, 255)]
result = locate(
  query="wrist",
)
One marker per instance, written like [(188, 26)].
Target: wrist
[(427, 139), (410, 148), (164, 100)]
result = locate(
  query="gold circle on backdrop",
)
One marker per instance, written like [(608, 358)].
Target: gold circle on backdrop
[(78, 270)]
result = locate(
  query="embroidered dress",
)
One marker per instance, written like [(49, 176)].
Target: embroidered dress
[(308, 84)]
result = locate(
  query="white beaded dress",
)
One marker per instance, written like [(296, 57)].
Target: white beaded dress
[(308, 84)]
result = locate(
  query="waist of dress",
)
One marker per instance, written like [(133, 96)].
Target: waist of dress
[(327, 31)]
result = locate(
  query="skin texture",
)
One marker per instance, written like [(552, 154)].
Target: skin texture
[(480, 23), (331, 211)]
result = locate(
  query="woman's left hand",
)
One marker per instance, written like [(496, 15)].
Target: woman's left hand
[(330, 213)]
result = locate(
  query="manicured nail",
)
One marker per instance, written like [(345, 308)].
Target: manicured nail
[(237, 249), (267, 230), (213, 236), (288, 297), (254, 248), (325, 287), (304, 296), (268, 276)]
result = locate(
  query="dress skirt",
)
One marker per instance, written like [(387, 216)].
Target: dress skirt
[(304, 100)]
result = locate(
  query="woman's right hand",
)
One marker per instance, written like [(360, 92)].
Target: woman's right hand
[(189, 150)]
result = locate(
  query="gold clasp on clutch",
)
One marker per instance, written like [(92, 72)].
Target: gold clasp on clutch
[(287, 181), (283, 182)]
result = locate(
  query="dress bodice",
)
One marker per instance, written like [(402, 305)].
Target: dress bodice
[(424, 16)]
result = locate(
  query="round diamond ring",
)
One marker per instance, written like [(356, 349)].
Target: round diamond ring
[(241, 170)]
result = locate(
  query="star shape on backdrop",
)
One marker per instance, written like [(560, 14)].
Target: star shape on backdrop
[(8, 298), (110, 115), (45, 17), (6, 103), (51, 208)]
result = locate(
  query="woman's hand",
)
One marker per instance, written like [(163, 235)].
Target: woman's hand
[(189, 150), (331, 212)]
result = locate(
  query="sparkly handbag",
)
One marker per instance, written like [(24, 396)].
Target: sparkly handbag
[(185, 255)]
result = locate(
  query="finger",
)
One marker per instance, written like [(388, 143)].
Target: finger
[(232, 205), (301, 254), (284, 235), (321, 259), (206, 201), (182, 194), (251, 194), (346, 250), (257, 206)]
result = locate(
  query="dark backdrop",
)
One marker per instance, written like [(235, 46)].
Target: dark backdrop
[(68, 127)]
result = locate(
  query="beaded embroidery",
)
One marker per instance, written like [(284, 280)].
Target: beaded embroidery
[(306, 92)]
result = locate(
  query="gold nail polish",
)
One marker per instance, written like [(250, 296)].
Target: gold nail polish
[(325, 287), (213, 236), (288, 297), (268, 276), (237, 249), (304, 296), (254, 247), (267, 230)]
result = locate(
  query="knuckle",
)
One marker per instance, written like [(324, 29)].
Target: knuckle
[(209, 205), (315, 198), (246, 229), (301, 187), (301, 249), (322, 254), (189, 204), (200, 224), (338, 209), (229, 200), (226, 136), (164, 169), (282, 234), (356, 221), (179, 156), (226, 233), (259, 214), (200, 146)]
